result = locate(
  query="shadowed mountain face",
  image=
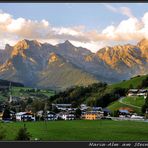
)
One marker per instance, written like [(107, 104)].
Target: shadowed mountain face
[(64, 65)]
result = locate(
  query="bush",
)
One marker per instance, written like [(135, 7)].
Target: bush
[(23, 134), (2, 133)]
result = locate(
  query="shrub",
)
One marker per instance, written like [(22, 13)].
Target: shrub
[(2, 134), (23, 134)]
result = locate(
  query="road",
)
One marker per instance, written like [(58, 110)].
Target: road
[(121, 101)]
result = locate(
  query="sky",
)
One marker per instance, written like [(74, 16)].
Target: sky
[(90, 25)]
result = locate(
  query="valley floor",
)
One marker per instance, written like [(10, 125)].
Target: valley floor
[(80, 130)]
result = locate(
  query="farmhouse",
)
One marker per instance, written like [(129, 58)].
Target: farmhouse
[(62, 107), (123, 113), (106, 111), (142, 92), (132, 92), (25, 116), (96, 108), (93, 115), (138, 92), (51, 116), (66, 116)]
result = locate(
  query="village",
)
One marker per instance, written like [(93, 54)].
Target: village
[(67, 112)]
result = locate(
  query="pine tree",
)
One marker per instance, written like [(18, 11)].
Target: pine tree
[(23, 134), (145, 106)]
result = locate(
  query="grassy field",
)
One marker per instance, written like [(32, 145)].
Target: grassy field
[(116, 105), (81, 130), (23, 92), (135, 82), (137, 101), (16, 91)]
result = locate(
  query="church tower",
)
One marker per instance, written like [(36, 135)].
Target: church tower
[(10, 92)]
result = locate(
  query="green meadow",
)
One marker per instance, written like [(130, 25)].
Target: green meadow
[(134, 103), (80, 130), (114, 106)]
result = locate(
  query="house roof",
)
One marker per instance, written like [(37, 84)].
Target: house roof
[(92, 112), (97, 108), (126, 108), (106, 110), (124, 111), (51, 113), (23, 113), (133, 90), (143, 90), (12, 112), (63, 105)]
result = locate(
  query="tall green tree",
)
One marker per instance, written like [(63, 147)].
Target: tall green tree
[(145, 82), (78, 113), (6, 114), (145, 106)]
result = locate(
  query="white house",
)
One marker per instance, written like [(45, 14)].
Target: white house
[(66, 116), (51, 116), (132, 92), (83, 107), (142, 92), (62, 107), (25, 116), (137, 117), (136, 92)]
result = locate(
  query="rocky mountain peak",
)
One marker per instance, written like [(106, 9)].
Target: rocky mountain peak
[(8, 47), (67, 42), (42, 62), (23, 44), (143, 44)]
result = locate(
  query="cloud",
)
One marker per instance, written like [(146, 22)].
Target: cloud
[(122, 10), (126, 11), (93, 46), (130, 29), (110, 7), (126, 30)]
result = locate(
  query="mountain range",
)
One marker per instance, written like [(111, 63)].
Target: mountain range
[(61, 66)]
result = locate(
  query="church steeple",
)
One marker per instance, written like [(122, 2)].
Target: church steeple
[(10, 92)]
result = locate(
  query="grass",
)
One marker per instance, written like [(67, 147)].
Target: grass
[(16, 92), (116, 105), (137, 101), (135, 82), (81, 130)]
